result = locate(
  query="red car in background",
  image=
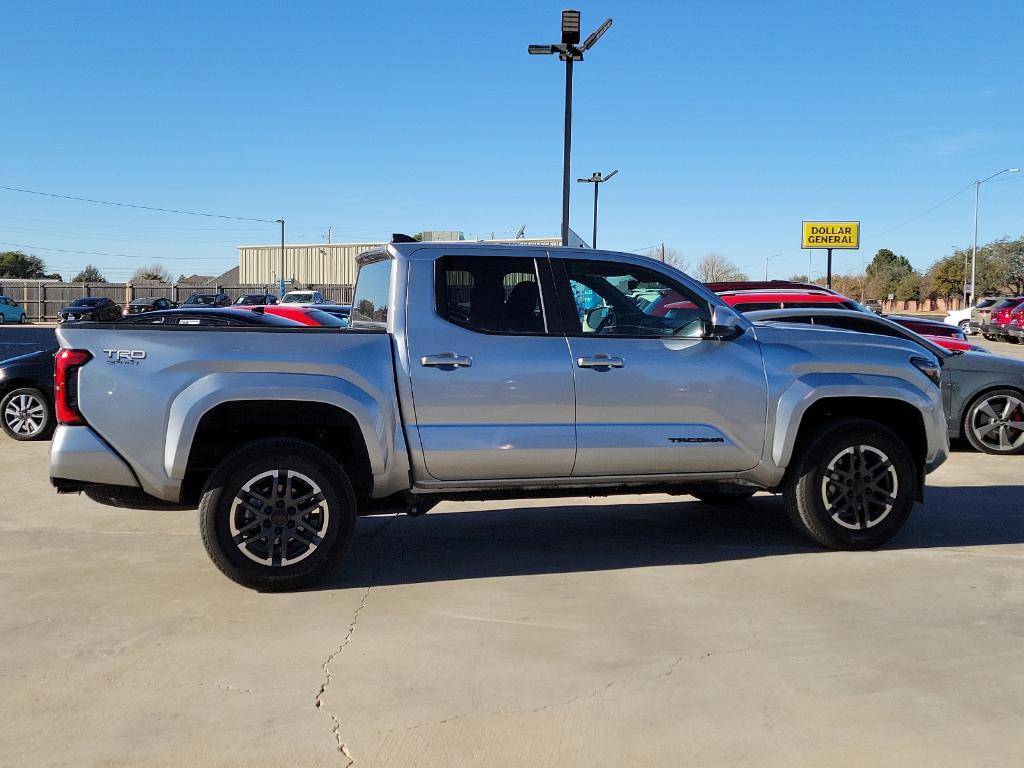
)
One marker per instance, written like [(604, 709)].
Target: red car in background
[(1015, 329), (1000, 324), (779, 294), (304, 315)]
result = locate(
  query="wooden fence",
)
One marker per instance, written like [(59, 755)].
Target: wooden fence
[(43, 300)]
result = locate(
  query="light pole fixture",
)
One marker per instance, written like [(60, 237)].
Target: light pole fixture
[(974, 248), (281, 275), (597, 180), (569, 50), (766, 260)]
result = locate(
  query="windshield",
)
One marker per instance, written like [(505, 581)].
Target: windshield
[(205, 299), (89, 302), (296, 298), (253, 299)]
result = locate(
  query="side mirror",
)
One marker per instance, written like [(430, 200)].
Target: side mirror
[(725, 325), (593, 317)]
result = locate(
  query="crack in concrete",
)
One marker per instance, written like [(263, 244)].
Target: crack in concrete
[(318, 701)]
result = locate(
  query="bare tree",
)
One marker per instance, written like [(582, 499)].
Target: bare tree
[(714, 267), (670, 256), (153, 272)]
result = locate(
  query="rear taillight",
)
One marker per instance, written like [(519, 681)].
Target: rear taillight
[(65, 384)]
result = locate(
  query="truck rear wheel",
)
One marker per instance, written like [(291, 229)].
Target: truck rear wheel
[(851, 485), (277, 514)]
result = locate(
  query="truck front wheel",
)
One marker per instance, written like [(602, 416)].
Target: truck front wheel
[(851, 485), (277, 514)]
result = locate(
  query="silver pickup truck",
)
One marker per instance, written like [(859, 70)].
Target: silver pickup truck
[(474, 371)]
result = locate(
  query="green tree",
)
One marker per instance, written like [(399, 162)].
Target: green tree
[(153, 272), (885, 272), (945, 277), (21, 266), (1007, 258), (89, 274)]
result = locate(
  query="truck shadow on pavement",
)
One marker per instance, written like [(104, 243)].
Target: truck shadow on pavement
[(464, 542)]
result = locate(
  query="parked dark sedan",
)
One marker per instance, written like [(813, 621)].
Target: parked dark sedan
[(340, 311), (255, 300), (982, 394), (26, 395), (207, 300), (97, 308), (148, 304)]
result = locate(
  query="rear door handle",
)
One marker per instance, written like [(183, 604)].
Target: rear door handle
[(446, 360), (600, 360)]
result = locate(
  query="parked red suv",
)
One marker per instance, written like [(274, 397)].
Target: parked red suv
[(1015, 328), (999, 323)]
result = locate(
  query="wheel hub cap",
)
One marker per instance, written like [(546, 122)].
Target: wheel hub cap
[(25, 415), (998, 423), (279, 517), (859, 487)]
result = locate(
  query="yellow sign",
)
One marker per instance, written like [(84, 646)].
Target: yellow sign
[(831, 234)]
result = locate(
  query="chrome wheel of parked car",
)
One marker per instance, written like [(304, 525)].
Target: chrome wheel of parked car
[(851, 485), (995, 422), (965, 326), (859, 487), (277, 514), (279, 517), (26, 414)]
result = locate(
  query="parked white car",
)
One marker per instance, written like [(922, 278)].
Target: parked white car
[(960, 318), (302, 298)]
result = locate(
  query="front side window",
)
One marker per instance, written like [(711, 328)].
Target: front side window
[(490, 294), (370, 300), (615, 299)]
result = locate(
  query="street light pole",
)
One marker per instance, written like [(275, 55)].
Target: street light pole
[(569, 51), (597, 180), (281, 275), (766, 260), (974, 248)]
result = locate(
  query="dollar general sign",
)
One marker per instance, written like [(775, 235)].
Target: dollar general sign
[(831, 234)]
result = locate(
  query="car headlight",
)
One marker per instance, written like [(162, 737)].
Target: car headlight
[(928, 367)]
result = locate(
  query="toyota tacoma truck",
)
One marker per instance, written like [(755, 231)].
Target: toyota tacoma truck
[(473, 371)]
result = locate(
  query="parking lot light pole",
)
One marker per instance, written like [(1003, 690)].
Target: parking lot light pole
[(597, 180), (569, 50), (769, 258), (281, 275), (974, 248)]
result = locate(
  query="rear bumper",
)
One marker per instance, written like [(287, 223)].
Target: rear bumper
[(79, 457)]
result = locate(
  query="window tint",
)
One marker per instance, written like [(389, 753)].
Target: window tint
[(755, 306), (370, 302), (613, 299), (490, 294)]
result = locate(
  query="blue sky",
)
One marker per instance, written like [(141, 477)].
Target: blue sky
[(729, 124)]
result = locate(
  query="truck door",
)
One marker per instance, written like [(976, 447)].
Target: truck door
[(652, 395), (492, 380)]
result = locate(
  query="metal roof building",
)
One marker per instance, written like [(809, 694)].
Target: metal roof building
[(335, 263)]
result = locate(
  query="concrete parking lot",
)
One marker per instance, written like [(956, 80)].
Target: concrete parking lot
[(632, 631)]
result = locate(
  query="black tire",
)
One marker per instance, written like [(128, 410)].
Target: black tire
[(2, 318), (23, 320), (965, 326), (976, 420), (260, 464), (723, 498), (26, 414), (841, 517)]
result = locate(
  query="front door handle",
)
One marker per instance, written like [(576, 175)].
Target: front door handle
[(446, 360), (600, 360)]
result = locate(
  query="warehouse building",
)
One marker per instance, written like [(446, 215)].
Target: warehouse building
[(335, 263)]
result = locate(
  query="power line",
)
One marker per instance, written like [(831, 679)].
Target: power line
[(921, 215), (131, 205), (119, 255)]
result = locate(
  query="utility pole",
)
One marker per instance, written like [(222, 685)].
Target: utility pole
[(662, 253), (328, 235), (281, 286), (974, 248)]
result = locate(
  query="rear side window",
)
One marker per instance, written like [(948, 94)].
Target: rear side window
[(757, 306), (490, 294), (370, 302)]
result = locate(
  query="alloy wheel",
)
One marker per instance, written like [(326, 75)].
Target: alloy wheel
[(279, 517), (998, 422), (25, 415), (859, 487)]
